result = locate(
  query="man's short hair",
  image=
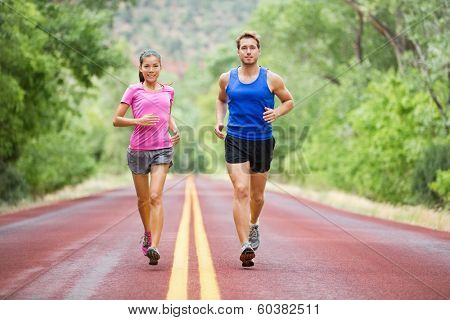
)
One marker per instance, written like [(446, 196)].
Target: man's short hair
[(248, 34)]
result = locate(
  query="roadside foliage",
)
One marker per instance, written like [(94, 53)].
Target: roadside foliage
[(369, 80)]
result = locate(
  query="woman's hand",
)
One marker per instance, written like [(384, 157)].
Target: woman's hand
[(175, 137), (148, 120)]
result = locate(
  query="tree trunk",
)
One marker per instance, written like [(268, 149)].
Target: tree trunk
[(357, 45), (384, 30), (400, 43)]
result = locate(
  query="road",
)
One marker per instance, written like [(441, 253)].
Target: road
[(88, 248)]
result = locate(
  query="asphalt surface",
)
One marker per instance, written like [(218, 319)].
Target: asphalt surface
[(89, 249)]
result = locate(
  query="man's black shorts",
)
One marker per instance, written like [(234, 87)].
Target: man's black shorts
[(258, 152)]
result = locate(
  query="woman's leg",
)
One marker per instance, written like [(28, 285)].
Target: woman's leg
[(143, 195), (158, 178)]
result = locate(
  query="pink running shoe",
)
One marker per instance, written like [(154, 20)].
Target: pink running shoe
[(146, 242), (153, 255)]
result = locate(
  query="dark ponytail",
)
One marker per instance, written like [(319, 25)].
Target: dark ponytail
[(141, 77)]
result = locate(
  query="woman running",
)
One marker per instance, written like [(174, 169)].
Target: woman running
[(151, 146)]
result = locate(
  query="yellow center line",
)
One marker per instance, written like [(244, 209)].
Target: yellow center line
[(209, 289), (179, 275)]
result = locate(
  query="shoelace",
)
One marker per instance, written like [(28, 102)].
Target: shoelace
[(246, 246), (145, 240), (253, 232)]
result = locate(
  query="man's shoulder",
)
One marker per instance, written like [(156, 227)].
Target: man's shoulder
[(225, 75), (272, 74), (224, 79), (274, 77)]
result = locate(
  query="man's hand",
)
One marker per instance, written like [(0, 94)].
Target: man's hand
[(270, 115), (218, 131)]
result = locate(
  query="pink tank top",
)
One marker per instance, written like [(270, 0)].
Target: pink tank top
[(144, 102)]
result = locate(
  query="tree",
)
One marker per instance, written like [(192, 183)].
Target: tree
[(373, 90), (420, 28), (50, 51)]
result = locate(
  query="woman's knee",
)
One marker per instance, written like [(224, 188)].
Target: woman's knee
[(143, 201), (155, 198)]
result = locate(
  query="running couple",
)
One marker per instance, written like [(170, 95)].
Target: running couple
[(248, 92)]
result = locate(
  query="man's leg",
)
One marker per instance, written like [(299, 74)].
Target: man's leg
[(257, 186), (260, 159), (240, 178)]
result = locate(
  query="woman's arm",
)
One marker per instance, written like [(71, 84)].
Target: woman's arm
[(120, 121), (175, 137)]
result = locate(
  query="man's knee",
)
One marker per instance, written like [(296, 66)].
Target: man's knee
[(257, 198), (241, 191)]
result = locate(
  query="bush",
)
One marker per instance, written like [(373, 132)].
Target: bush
[(370, 137), (55, 160), (12, 185), (442, 186), (434, 160)]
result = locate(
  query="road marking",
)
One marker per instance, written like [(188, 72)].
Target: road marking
[(209, 289), (179, 275)]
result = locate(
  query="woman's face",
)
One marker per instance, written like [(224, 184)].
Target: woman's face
[(150, 68)]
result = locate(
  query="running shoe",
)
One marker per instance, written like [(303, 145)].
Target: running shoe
[(253, 236), (247, 255), (146, 242), (153, 255), (248, 263)]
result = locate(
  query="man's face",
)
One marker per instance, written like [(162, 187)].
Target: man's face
[(248, 51)]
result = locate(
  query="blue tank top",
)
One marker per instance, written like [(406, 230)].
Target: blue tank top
[(246, 104)]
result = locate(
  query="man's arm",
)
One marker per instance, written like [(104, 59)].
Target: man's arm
[(276, 84), (221, 105)]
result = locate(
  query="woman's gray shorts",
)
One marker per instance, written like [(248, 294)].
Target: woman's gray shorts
[(141, 161)]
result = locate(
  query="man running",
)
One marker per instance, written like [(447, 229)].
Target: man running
[(248, 92)]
